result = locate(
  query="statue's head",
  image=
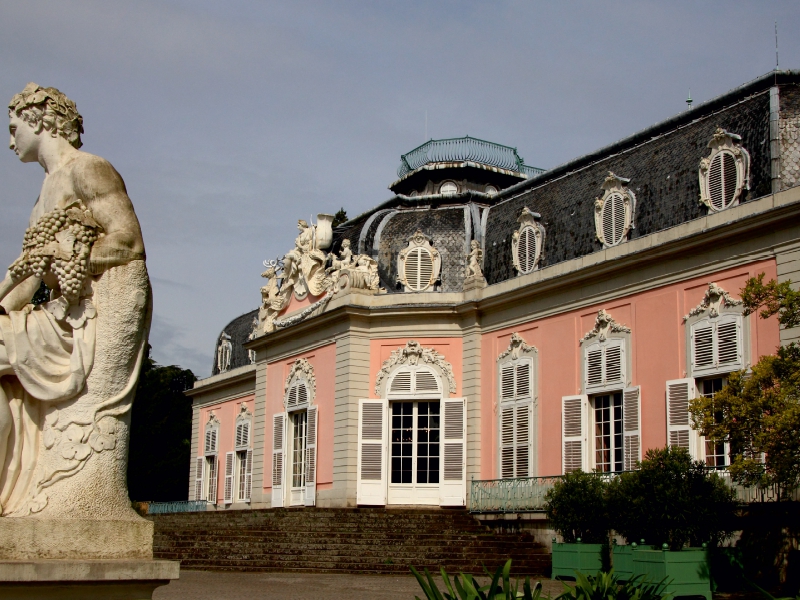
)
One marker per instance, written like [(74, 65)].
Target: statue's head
[(302, 224), (345, 244), (474, 244), (49, 110)]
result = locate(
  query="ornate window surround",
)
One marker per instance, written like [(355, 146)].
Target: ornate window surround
[(723, 143), (717, 305), (414, 357), (422, 242), (244, 417), (614, 187), (301, 373), (529, 222), (211, 434), (606, 333)]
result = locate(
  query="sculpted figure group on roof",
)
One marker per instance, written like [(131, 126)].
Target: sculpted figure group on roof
[(303, 271)]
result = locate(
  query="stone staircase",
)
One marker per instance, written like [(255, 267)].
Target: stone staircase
[(342, 540)]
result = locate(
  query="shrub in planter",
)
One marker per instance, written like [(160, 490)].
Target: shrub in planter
[(576, 508), (671, 499)]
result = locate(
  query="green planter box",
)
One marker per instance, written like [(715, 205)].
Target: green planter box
[(622, 557), (686, 570), (568, 558)]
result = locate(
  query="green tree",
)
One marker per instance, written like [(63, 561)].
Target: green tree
[(340, 217), (670, 499), (161, 428), (759, 414)]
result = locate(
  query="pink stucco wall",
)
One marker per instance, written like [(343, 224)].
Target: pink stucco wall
[(659, 354), (449, 347), (323, 360), (226, 412)]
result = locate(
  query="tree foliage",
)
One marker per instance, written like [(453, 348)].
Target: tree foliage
[(759, 413), (340, 217), (670, 499), (161, 428), (576, 508)]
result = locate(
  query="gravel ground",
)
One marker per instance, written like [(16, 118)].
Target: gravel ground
[(202, 585)]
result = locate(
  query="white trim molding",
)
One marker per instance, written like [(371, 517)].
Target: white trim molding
[(725, 172), (614, 211), (713, 301)]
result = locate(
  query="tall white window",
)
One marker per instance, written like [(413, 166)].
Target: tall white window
[(725, 172), (211, 462), (516, 391), (294, 452)]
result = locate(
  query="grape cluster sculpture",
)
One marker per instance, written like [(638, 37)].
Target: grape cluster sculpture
[(60, 242)]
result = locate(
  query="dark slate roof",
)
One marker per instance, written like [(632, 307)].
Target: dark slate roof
[(239, 329), (663, 173)]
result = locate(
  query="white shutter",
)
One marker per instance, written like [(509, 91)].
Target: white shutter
[(594, 366), (717, 345), (229, 464), (507, 381), (631, 426), (605, 365), (575, 451), (199, 466), (213, 468), (372, 442), (522, 431), (278, 432), (453, 484), (507, 442), (614, 362), (702, 346), (679, 431), (311, 457), (729, 342), (248, 477)]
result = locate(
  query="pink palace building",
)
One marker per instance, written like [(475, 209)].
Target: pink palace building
[(492, 320)]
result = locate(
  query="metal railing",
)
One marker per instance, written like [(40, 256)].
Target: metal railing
[(161, 508), (466, 148), (527, 494)]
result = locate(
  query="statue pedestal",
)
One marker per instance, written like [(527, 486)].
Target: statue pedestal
[(85, 579), (474, 283)]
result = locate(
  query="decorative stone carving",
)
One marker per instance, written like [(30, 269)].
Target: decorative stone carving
[(71, 366), (224, 350), (302, 368), (419, 264), (714, 300), (244, 413), (725, 172), (213, 421), (304, 266), (527, 242), (305, 313), (604, 325), (360, 272), (474, 260), (273, 298), (345, 258), (614, 211), (516, 347), (412, 354)]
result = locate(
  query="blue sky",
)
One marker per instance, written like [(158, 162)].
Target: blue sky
[(229, 121)]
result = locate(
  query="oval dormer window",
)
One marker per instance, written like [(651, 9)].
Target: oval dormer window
[(491, 190), (448, 188), (613, 219), (418, 269), (527, 253), (723, 180)]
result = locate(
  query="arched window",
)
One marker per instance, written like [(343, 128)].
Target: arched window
[(448, 188), (239, 462), (614, 211), (207, 465), (527, 242), (725, 172), (491, 190)]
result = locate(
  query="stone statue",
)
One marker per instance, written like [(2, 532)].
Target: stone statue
[(224, 351), (474, 260), (304, 266), (345, 258), (69, 366), (274, 298)]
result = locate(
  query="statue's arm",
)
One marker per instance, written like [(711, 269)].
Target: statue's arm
[(16, 296), (102, 190)]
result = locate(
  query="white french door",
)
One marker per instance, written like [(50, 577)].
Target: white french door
[(414, 452)]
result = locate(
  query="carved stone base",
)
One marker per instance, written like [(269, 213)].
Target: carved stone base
[(69, 539), (474, 283), (85, 579)]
